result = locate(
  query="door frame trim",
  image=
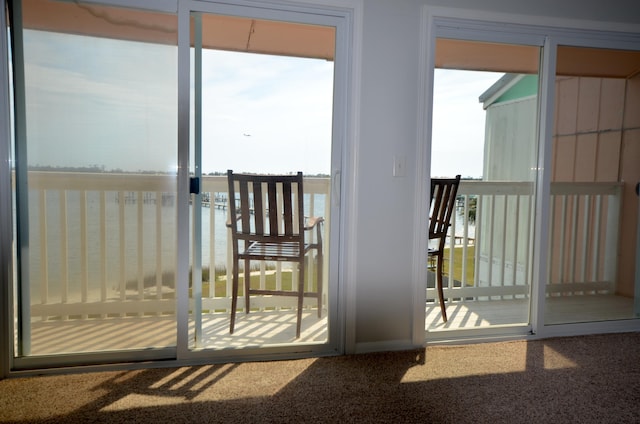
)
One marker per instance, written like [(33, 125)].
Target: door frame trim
[(507, 28), (346, 93), (343, 123)]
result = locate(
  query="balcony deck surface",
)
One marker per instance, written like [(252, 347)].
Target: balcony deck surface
[(272, 328)]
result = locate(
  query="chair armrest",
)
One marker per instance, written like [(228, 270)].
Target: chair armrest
[(312, 221), (229, 224)]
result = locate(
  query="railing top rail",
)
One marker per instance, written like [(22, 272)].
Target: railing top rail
[(219, 183), (46, 180), (582, 188), (111, 181), (478, 187), (54, 180)]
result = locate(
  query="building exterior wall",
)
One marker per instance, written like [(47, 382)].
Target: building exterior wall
[(596, 139), (507, 120)]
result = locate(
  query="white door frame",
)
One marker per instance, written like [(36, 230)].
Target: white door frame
[(515, 29), (342, 19), (346, 15)]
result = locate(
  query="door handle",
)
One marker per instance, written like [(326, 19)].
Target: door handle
[(194, 185), (335, 188)]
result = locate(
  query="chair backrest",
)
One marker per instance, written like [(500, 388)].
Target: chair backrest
[(266, 207), (443, 202)]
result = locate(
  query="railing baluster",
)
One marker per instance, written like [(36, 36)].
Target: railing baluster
[(586, 222), (503, 253), (64, 261), (103, 248), (516, 240), (478, 243), (280, 225), (595, 250), (563, 238), (310, 267), (44, 255), (614, 203), (574, 235), (158, 245), (491, 233), (465, 238), (552, 234), (529, 230), (123, 246), (212, 245), (84, 251), (140, 245)]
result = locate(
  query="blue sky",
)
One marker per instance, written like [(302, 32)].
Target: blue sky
[(100, 102), (114, 104), (268, 113), (458, 122)]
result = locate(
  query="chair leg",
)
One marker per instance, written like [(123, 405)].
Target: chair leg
[(443, 309), (320, 282), (234, 296), (300, 297), (247, 284)]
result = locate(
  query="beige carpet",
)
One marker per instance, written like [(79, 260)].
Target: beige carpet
[(594, 379)]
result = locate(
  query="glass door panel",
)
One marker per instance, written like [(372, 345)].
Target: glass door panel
[(485, 120), (96, 158), (262, 103), (593, 263)]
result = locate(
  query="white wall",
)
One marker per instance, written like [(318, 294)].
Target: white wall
[(388, 129), (389, 126)]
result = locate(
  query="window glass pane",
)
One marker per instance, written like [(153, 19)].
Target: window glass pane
[(97, 156), (484, 129), (263, 104), (596, 149)]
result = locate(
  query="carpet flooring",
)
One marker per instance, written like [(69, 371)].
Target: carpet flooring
[(589, 379)]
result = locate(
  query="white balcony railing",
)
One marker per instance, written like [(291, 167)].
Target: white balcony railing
[(103, 245), (583, 243)]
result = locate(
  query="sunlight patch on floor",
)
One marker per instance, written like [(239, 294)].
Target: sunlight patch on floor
[(556, 361)]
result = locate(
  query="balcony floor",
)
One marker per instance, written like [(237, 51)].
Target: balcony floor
[(254, 330), (274, 328), (559, 310)]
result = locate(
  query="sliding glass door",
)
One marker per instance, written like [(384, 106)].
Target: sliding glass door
[(593, 273), (263, 103), (485, 117), (120, 182), (546, 235), (95, 171)]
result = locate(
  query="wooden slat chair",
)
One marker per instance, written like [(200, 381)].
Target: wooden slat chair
[(443, 202), (270, 225)]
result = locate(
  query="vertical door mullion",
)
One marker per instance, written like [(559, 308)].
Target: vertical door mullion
[(22, 188), (182, 195), (6, 213), (197, 197), (543, 185)]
